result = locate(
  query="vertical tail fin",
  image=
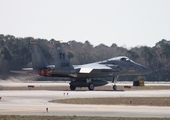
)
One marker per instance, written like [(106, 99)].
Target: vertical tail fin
[(62, 62), (38, 59)]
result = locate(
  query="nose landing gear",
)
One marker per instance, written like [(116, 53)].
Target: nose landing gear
[(115, 81)]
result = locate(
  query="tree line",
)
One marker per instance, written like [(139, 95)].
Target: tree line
[(16, 54)]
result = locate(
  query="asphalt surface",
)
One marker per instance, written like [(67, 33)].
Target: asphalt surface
[(18, 83), (35, 102)]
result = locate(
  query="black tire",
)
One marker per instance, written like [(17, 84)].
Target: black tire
[(91, 86), (72, 87), (114, 87)]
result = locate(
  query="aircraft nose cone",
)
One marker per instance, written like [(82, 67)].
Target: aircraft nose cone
[(149, 70), (146, 70)]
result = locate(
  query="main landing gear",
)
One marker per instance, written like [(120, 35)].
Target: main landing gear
[(90, 84), (72, 87), (115, 81)]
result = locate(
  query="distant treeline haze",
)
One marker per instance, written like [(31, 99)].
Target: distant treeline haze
[(16, 54)]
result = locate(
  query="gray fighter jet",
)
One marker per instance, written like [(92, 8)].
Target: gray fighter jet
[(85, 75)]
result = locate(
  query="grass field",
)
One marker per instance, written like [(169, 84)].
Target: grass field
[(150, 101), (17, 117)]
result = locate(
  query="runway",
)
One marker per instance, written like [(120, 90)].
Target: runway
[(32, 102), (8, 83)]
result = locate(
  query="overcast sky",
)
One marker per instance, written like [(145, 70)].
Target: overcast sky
[(124, 22)]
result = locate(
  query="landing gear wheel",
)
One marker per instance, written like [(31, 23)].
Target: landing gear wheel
[(114, 87), (72, 87), (91, 86)]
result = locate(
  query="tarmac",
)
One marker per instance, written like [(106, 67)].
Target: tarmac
[(36, 102)]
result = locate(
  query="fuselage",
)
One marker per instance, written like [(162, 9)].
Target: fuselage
[(118, 66)]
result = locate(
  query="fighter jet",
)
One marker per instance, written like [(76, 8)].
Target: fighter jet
[(85, 75)]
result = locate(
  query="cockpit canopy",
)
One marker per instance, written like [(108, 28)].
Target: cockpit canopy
[(125, 59), (122, 58)]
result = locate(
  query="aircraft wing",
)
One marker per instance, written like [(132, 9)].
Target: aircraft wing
[(89, 67)]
